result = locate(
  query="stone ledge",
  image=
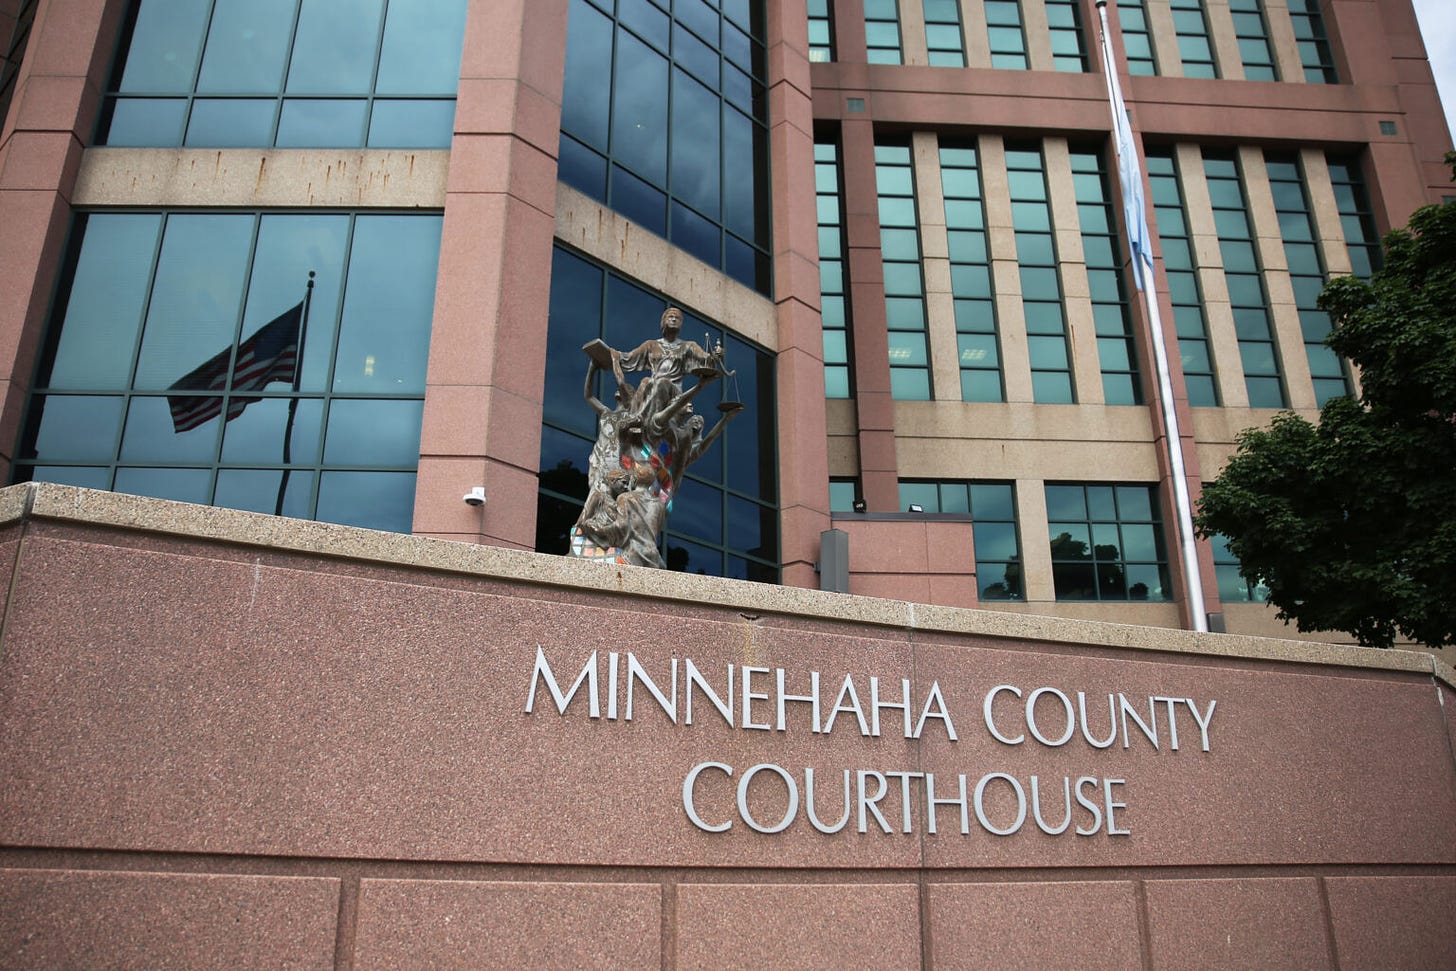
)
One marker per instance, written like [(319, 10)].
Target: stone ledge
[(59, 503)]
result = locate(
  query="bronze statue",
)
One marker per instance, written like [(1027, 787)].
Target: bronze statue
[(645, 443)]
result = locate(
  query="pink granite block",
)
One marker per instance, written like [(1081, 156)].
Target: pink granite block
[(1253, 923), (1393, 922), (53, 104), (44, 160), (890, 586), (887, 547), (455, 420), (1280, 744), (431, 924), (91, 919), (786, 926), (503, 163), (949, 548), (1034, 925), (440, 487)]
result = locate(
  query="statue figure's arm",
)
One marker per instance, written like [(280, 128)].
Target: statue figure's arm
[(591, 399)]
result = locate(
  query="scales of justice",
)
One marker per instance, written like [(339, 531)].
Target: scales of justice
[(645, 441)]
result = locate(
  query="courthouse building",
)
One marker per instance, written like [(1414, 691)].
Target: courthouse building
[(303, 266), (902, 220)]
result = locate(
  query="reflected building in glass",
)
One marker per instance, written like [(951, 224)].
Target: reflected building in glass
[(900, 218)]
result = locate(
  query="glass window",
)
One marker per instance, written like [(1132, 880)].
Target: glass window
[(1101, 251), (1107, 542), (882, 31), (833, 288), (904, 285), (1314, 46), (1041, 290), (821, 31), (992, 508), (291, 73), (1361, 238), (1306, 274), (943, 38), (1064, 22), (724, 519), (1247, 295), (272, 362), (678, 140), (1137, 38), (1194, 46)]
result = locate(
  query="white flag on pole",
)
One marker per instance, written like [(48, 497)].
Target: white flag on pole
[(1129, 173)]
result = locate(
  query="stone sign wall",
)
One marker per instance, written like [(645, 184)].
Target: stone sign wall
[(232, 740)]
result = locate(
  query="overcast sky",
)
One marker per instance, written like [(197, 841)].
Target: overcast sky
[(1438, 28)]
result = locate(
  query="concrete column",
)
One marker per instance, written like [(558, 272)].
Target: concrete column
[(1165, 39), (803, 433), (945, 372), (913, 49), (1072, 271), (482, 420), (1282, 42), (1223, 341), (973, 28), (1225, 43), (1005, 271), (1038, 37), (57, 96), (1036, 550)]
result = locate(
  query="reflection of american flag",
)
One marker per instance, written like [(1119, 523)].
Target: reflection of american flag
[(269, 355)]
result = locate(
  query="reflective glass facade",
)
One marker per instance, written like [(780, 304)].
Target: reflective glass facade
[(1252, 32), (1194, 44), (1007, 34), (677, 140), (290, 73), (882, 31), (904, 280), (1107, 542), (150, 299), (978, 351), (1248, 297), (1116, 351), (1137, 38), (1064, 24), (1306, 274), (1314, 45), (1184, 291), (833, 270), (1041, 287), (944, 41)]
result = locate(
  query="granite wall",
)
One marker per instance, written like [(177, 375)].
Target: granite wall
[(230, 740)]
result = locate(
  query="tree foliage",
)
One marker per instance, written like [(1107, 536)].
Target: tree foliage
[(1352, 522)]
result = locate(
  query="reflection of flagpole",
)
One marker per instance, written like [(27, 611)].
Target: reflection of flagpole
[(1130, 175), (293, 401)]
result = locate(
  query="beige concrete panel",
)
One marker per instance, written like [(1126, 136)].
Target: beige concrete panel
[(628, 248), (281, 177), (939, 304), (1024, 422), (912, 32), (1326, 212), (1011, 327), (1038, 37), (843, 457), (1281, 40), (1066, 461), (839, 413), (1165, 39), (1086, 364), (996, 190), (973, 28), (1036, 551), (1225, 43), (1156, 615), (1269, 241)]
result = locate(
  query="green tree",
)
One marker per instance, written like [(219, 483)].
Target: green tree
[(1352, 522)]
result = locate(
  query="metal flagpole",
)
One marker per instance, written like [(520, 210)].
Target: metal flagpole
[(1129, 168), (293, 401)]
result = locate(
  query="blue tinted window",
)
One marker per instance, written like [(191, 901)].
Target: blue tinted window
[(664, 118), (172, 366), (228, 62)]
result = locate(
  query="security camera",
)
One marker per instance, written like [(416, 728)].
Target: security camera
[(475, 497)]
